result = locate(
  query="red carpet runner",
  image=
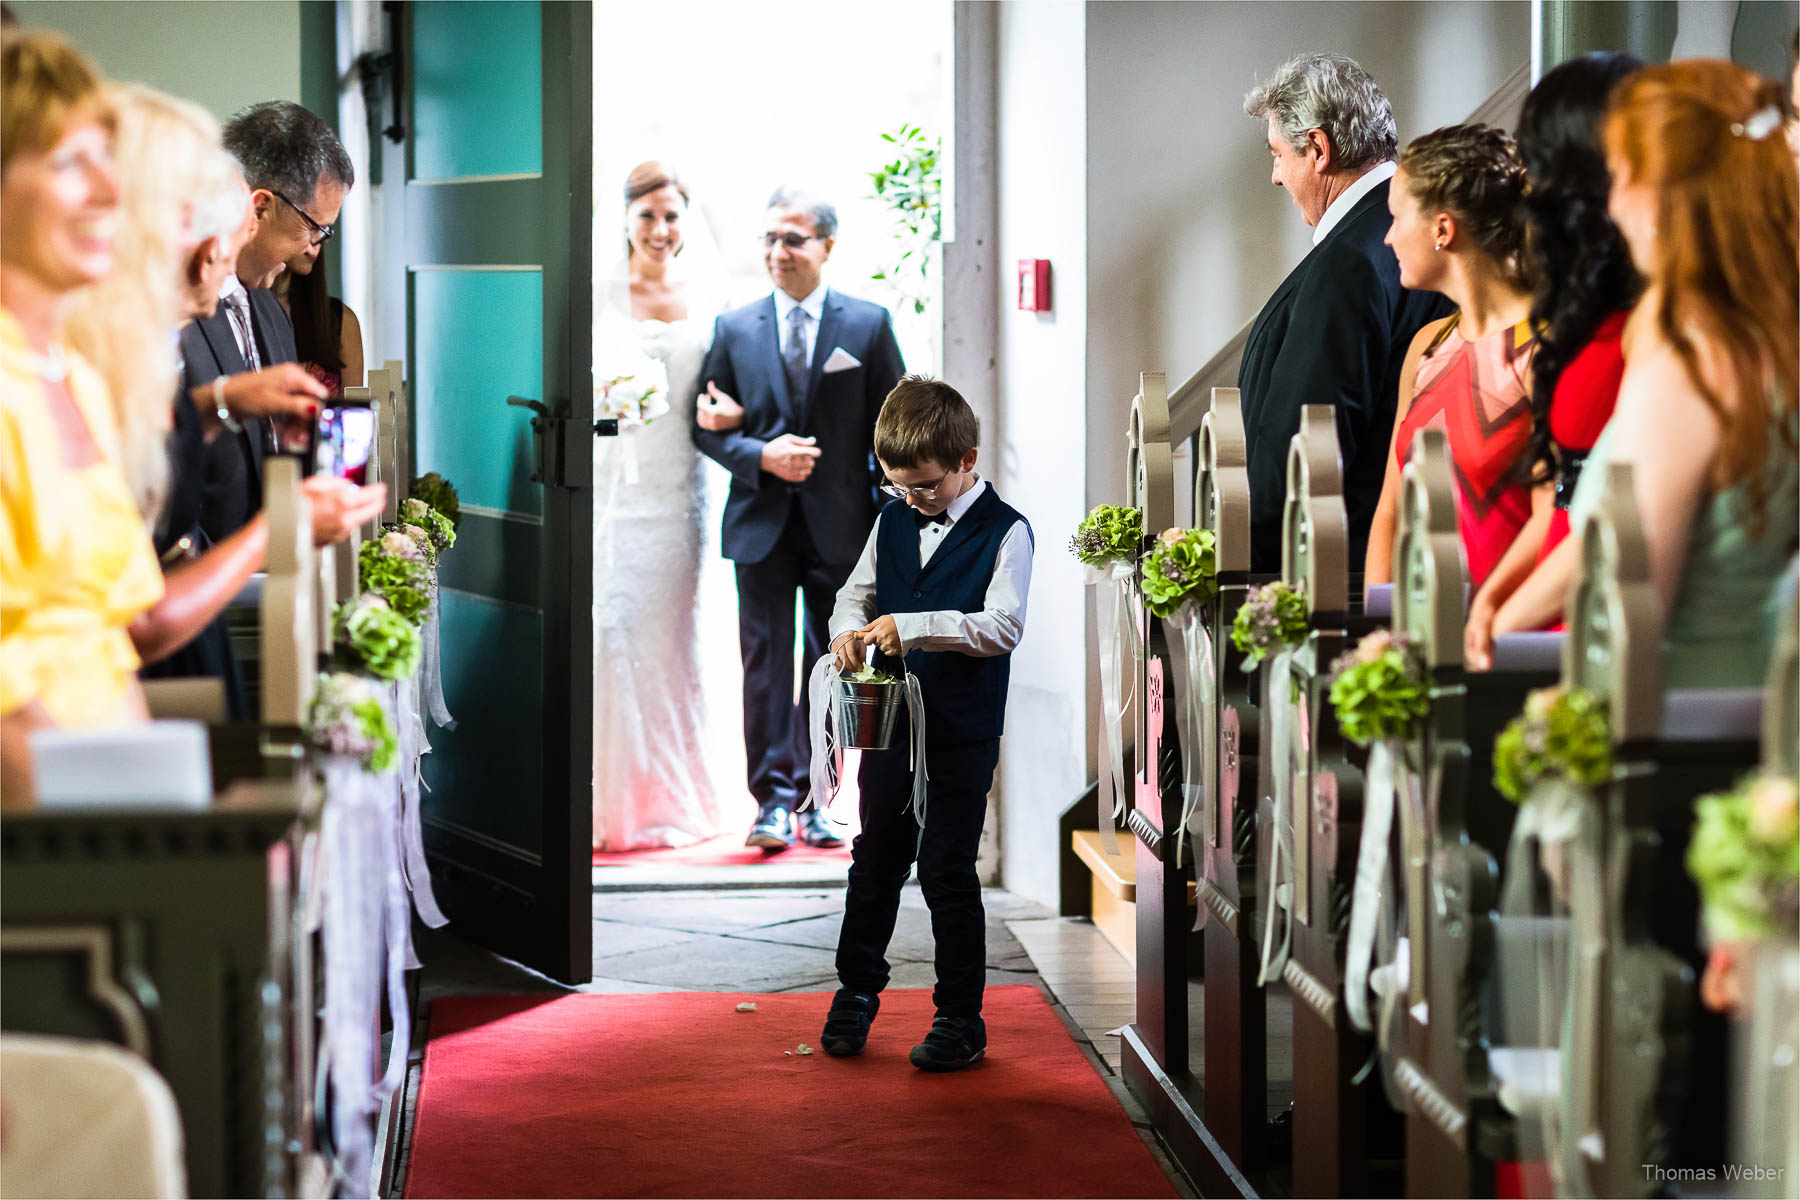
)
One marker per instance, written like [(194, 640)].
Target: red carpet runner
[(727, 850), (680, 1095)]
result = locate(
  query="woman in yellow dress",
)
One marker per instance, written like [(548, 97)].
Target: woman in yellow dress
[(76, 562)]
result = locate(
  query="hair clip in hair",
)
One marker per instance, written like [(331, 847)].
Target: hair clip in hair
[(1760, 124)]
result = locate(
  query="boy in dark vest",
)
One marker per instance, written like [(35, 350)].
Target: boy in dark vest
[(941, 586)]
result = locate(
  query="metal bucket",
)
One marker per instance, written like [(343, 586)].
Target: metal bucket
[(865, 713)]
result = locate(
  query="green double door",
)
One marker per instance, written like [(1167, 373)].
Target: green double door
[(498, 219)]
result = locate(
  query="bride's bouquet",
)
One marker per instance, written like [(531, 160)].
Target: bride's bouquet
[(631, 388)]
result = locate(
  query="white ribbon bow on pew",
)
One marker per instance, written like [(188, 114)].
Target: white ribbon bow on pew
[(431, 668), (1192, 649), (1112, 615), (1278, 905)]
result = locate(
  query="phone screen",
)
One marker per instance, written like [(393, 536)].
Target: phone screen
[(346, 440)]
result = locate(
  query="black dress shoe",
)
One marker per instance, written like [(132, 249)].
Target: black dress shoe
[(815, 830), (774, 829), (952, 1044), (847, 1024)]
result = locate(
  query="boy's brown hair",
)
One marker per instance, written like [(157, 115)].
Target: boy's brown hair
[(925, 420)]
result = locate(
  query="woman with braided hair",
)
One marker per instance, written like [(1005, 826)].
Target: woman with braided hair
[(1458, 229)]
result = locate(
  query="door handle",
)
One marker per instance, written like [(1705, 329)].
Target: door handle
[(547, 440)]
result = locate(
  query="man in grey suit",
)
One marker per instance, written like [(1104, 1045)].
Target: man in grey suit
[(298, 174), (811, 368)]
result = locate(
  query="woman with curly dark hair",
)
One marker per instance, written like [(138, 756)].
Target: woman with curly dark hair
[(1586, 286)]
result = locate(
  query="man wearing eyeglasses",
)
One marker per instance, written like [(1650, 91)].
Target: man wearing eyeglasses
[(809, 367), (243, 355)]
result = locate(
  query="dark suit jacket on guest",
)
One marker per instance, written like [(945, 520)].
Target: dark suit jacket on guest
[(232, 464), (1335, 332), (839, 409)]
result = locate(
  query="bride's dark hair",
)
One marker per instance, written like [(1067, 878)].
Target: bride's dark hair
[(647, 177), (1582, 267)]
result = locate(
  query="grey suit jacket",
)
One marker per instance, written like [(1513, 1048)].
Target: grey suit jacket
[(232, 465)]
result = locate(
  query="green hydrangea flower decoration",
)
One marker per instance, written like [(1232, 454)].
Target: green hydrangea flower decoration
[(405, 583), (1112, 532), (348, 718), (1181, 568), (1745, 858), (1381, 689), (1271, 617), (1563, 733), (414, 511), (372, 637), (434, 490)]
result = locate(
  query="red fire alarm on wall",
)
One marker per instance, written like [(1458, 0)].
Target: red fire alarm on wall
[(1034, 285)]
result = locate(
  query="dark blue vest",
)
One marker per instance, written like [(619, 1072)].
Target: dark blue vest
[(965, 696)]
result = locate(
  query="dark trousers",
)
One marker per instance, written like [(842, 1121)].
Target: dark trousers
[(883, 853), (777, 748)]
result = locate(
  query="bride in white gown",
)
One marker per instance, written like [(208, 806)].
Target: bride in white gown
[(668, 755)]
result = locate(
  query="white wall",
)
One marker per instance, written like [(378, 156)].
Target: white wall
[(1186, 235), (221, 56), (1041, 124)]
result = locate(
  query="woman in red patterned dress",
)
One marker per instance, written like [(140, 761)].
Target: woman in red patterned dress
[(1458, 230)]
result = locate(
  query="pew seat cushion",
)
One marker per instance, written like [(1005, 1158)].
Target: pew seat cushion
[(1712, 714), (1528, 652), (86, 1118)]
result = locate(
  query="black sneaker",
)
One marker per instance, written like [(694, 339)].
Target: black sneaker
[(847, 1024), (952, 1044)]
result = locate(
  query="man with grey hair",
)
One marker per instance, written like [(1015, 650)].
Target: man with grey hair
[(298, 173), (1336, 330), (793, 384)]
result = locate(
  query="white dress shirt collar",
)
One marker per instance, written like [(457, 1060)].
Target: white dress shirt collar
[(233, 286), (1340, 208), (813, 304), (957, 507)]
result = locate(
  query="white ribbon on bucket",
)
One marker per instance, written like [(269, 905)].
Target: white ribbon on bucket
[(1278, 905), (1112, 616), (826, 774), (1195, 692)]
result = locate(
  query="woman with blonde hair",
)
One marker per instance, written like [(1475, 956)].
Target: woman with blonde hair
[(76, 564), (1705, 195)]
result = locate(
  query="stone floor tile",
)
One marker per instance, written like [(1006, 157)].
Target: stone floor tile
[(715, 911), (613, 938), (723, 963)]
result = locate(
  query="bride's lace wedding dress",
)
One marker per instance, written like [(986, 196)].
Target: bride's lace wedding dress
[(664, 773)]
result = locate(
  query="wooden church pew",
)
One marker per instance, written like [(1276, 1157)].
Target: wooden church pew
[(1235, 1012), (1155, 1050), (1648, 1082), (1448, 846), (1337, 1121)]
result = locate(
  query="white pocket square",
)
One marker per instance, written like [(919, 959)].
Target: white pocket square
[(841, 360)]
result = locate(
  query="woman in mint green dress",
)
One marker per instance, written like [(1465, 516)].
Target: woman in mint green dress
[(1705, 195)]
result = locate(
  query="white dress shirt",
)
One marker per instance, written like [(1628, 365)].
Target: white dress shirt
[(236, 301), (1340, 208), (996, 629), (813, 306)]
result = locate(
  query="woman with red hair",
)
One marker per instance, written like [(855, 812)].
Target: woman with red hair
[(1704, 193)]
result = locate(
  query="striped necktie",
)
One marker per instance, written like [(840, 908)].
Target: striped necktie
[(794, 364)]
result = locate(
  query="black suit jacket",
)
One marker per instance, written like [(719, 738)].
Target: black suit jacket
[(1335, 332), (839, 409), (231, 467)]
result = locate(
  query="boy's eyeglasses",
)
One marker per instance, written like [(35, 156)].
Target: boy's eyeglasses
[(924, 491), (320, 233), (793, 241)]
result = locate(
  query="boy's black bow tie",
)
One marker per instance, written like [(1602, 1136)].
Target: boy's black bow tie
[(922, 520)]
